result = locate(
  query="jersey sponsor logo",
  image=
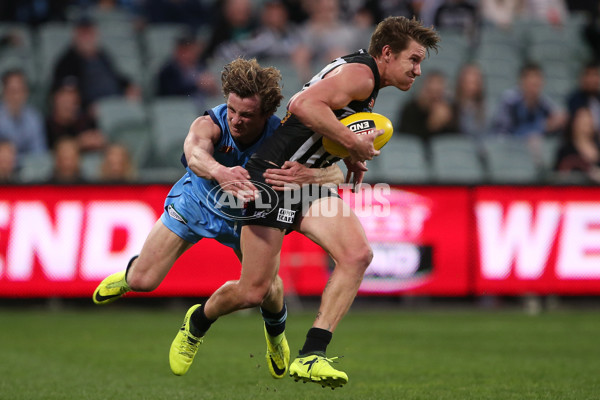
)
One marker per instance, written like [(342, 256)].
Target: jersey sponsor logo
[(286, 215), (260, 214), (175, 215)]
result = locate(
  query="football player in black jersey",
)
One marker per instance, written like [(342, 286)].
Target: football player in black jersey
[(349, 84)]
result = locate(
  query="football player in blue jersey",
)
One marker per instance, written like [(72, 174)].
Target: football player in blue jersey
[(215, 152)]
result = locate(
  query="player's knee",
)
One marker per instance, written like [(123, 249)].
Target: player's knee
[(360, 257), (255, 296), (141, 282)]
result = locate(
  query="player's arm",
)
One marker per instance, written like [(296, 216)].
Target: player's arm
[(199, 148), (313, 107), (293, 174)]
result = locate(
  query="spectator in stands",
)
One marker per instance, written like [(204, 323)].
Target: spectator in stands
[(580, 151), (430, 112), (20, 123), (117, 166), (184, 75), (527, 113), (235, 22), (67, 119), (381, 9), (67, 162), (193, 13), (459, 16), (92, 66), (500, 13), (34, 13), (296, 10), (325, 36), (587, 95), (469, 103), (8, 161), (275, 39), (554, 12)]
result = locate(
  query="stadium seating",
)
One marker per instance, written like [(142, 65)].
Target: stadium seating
[(154, 130), (510, 161), (455, 158), (36, 168), (402, 160), (171, 118), (126, 122), (53, 40)]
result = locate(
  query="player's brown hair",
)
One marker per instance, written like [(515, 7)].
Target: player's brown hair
[(397, 32), (247, 78)]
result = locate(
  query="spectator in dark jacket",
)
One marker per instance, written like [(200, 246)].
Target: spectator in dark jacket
[(67, 119), (91, 65), (184, 75)]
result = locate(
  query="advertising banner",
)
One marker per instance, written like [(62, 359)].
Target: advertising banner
[(60, 241), (63, 240), (542, 240), (419, 236)]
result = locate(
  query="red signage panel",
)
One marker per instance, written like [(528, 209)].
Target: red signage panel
[(539, 240)]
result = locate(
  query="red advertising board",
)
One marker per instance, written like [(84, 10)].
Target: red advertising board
[(62, 240), (541, 240), (419, 236), (427, 240)]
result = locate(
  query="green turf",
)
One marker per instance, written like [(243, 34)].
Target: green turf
[(122, 353)]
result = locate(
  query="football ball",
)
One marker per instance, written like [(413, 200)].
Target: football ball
[(361, 123)]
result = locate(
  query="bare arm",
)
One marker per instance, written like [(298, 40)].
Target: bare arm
[(199, 148), (293, 174), (313, 107)]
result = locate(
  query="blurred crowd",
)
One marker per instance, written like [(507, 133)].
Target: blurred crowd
[(522, 71)]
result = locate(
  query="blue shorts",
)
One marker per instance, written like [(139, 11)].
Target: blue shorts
[(191, 220)]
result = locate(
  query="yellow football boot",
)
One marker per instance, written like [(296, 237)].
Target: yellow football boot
[(278, 354), (111, 288), (184, 346), (316, 368)]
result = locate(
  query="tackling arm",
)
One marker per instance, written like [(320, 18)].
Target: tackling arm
[(199, 147)]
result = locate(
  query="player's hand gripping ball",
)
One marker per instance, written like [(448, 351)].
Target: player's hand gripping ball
[(361, 123)]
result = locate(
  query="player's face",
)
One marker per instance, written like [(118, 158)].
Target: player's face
[(403, 68), (245, 119)]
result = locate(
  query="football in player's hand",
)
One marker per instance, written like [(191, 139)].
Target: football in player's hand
[(361, 123)]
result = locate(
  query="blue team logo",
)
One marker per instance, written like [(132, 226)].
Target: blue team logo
[(223, 200)]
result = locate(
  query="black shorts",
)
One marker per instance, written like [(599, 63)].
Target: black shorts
[(280, 209)]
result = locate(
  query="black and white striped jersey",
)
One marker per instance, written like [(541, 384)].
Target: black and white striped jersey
[(293, 141)]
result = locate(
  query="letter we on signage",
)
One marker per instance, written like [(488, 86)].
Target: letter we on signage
[(523, 235)]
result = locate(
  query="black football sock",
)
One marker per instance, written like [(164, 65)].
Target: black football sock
[(317, 340), (199, 322), (274, 322), (129, 264)]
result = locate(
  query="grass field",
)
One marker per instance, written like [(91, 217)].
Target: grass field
[(122, 353)]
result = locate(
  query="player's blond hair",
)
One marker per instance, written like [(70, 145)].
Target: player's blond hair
[(247, 78), (397, 32)]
